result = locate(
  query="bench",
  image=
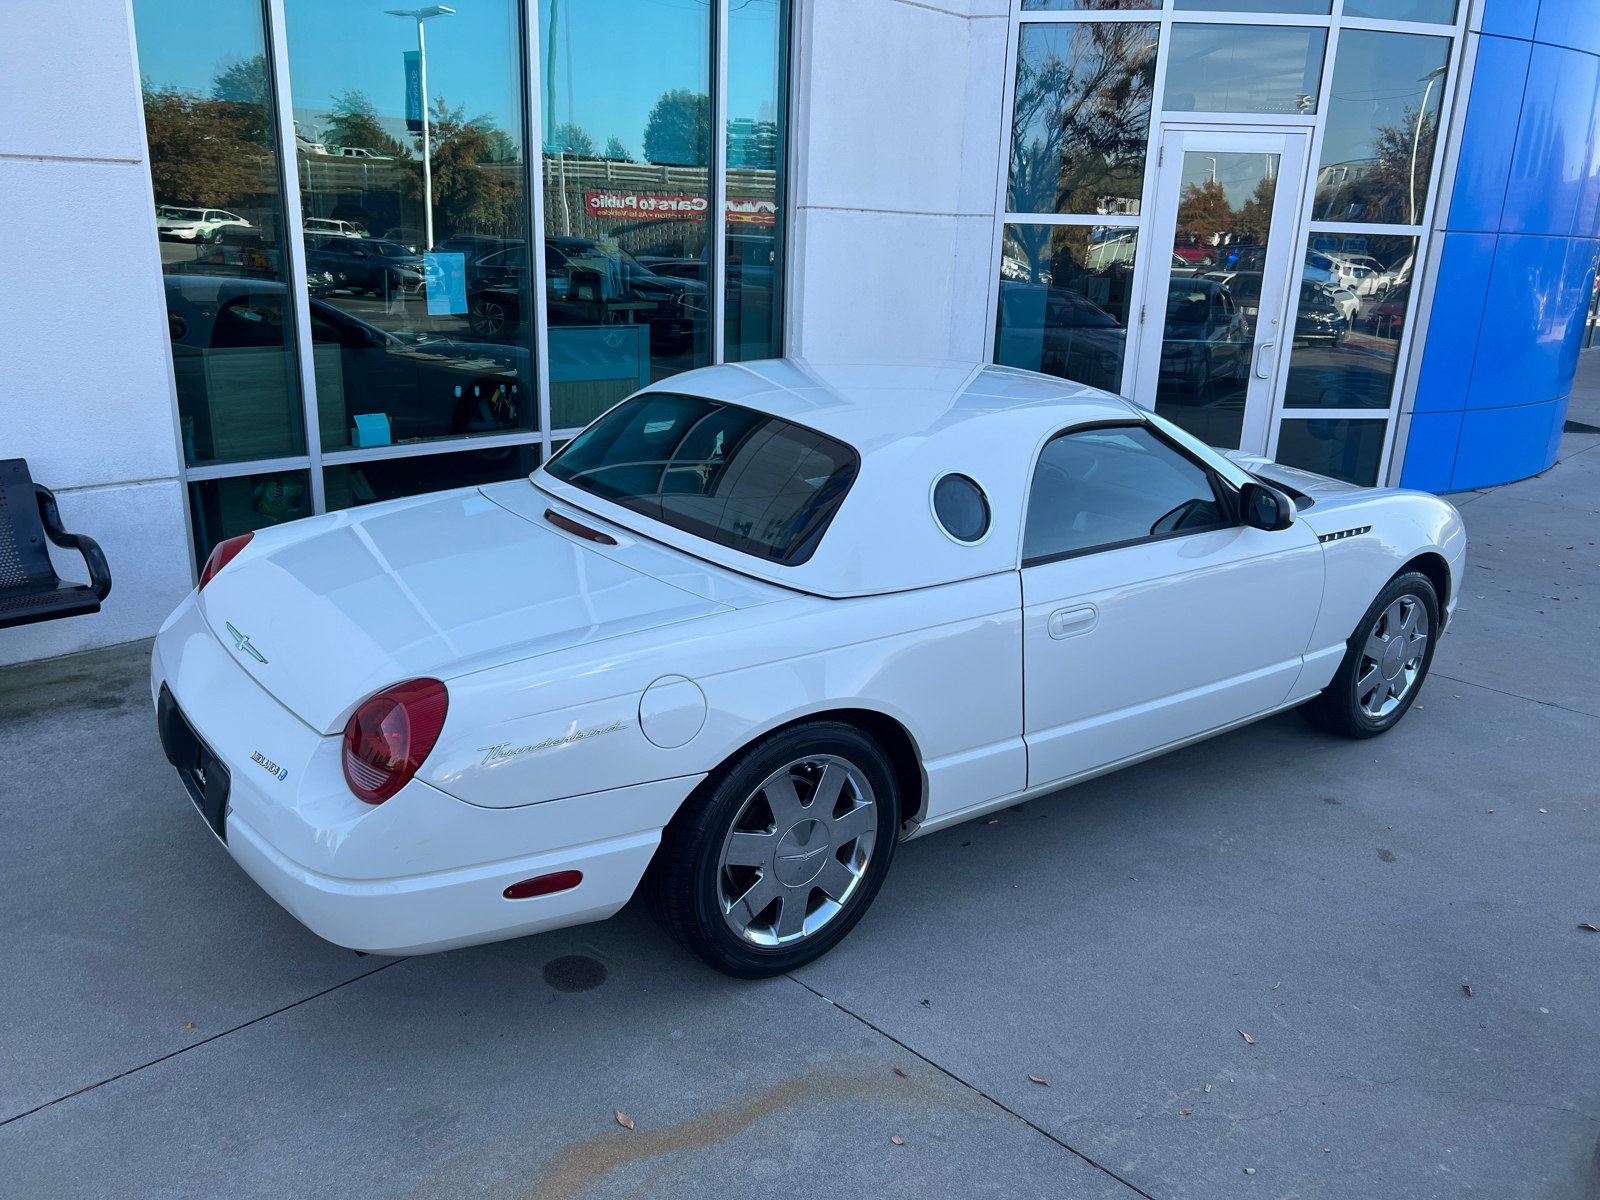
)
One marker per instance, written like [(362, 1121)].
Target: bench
[(30, 589)]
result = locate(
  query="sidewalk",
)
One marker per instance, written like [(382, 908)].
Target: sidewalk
[(168, 1029)]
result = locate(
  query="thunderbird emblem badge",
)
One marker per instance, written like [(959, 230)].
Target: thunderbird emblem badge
[(241, 642)]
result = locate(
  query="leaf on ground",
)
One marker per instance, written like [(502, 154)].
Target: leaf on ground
[(994, 821), (1590, 927), (1208, 1087), (190, 1025), (897, 1139), (901, 1073), (623, 1118), (1467, 988), (1036, 1079), (1185, 1112), (1277, 985), (1247, 1037)]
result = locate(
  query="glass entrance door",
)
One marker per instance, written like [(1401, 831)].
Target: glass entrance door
[(1215, 321)]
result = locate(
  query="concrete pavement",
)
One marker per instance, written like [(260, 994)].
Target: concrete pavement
[(166, 1029)]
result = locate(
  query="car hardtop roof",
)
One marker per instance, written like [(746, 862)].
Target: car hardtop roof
[(911, 423)]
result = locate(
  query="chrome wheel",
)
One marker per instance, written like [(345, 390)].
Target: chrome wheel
[(1391, 658), (797, 851)]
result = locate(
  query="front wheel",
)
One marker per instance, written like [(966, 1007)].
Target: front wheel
[(1384, 664), (777, 854)]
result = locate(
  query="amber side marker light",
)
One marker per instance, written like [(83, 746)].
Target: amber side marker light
[(543, 885), (577, 529)]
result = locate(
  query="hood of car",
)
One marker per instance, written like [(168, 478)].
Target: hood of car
[(328, 611)]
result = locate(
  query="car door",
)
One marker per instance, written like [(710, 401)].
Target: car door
[(1151, 614)]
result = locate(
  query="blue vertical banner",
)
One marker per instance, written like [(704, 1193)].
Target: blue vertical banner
[(413, 91)]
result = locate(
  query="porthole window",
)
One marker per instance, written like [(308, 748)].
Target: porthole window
[(961, 509)]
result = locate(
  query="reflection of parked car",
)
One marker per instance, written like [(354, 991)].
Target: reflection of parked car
[(427, 388), (195, 224), (1347, 302), (1207, 338), (328, 227), (1318, 319), (1205, 256), (1388, 316), (1244, 287), (1061, 332), (364, 264)]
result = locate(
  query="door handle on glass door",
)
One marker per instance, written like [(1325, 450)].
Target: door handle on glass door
[(1261, 360), (1065, 622)]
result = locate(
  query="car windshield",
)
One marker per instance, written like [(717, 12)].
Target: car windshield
[(183, 214), (731, 475)]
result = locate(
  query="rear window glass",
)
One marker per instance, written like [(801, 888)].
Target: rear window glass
[(731, 475)]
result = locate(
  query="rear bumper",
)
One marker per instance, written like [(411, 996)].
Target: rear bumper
[(422, 871)]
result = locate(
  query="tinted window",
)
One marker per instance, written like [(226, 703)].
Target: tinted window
[(1102, 487), (728, 474)]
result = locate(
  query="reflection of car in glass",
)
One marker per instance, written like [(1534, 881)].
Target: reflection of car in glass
[(1388, 316), (1318, 318), (428, 388), (364, 264), (195, 224), (1347, 302), (1207, 338), (1244, 287), (521, 704), (1196, 252), (327, 226), (359, 152), (1061, 332)]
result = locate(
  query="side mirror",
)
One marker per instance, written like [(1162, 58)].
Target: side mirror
[(1265, 507)]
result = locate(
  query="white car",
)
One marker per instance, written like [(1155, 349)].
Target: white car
[(751, 629), (328, 227), (195, 224)]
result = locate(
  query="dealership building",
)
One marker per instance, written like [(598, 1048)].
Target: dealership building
[(274, 258)]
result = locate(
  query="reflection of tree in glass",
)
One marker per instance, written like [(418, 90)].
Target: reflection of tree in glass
[(574, 139), (1081, 119), (679, 129), (465, 196), (1254, 218), (1203, 210), (204, 152), (243, 81), (353, 121), (1384, 187), (616, 151)]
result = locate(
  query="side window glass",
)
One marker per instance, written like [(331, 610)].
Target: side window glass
[(1105, 487)]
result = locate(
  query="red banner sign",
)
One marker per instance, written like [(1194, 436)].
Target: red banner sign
[(642, 206)]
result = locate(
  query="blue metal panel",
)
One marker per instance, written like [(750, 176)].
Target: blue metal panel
[(1510, 18), (1501, 444), (1493, 110), (1526, 315), (1458, 300), (1431, 451), (1574, 23), (1583, 255), (1551, 168), (1553, 446)]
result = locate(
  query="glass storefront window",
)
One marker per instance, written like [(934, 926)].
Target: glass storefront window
[(352, 484), (415, 241), (625, 172), (1081, 118), (1083, 5), (1225, 204), (1309, 7), (210, 122), (1244, 69), (1340, 448), (1438, 12), (1383, 123), (1355, 292), (224, 508), (758, 89), (1065, 293)]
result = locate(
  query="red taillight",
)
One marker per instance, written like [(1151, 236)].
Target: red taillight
[(543, 885), (222, 555), (390, 735)]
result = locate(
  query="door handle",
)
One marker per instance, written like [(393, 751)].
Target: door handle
[(1068, 622), (1261, 360)]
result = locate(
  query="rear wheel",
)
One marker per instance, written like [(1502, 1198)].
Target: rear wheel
[(1384, 664), (777, 854)]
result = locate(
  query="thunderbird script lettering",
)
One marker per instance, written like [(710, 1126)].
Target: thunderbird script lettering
[(493, 754)]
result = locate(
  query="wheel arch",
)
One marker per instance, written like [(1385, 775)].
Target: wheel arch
[(1432, 565), (889, 732)]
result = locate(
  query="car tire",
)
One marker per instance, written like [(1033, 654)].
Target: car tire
[(752, 879), (1380, 677), (1207, 260), (488, 318)]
